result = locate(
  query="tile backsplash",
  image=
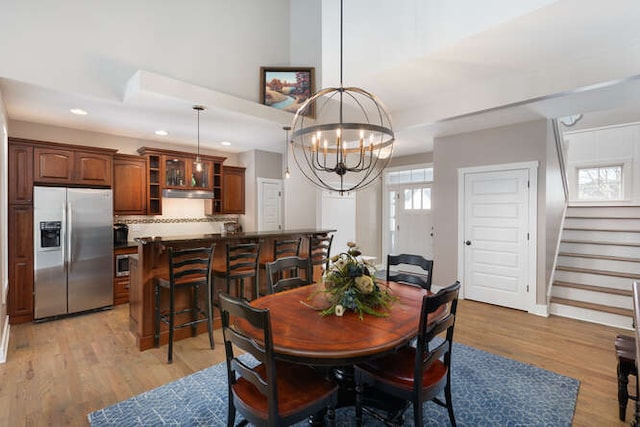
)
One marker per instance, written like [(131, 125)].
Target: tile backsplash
[(181, 217)]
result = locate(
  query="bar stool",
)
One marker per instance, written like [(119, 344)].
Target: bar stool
[(241, 264), (320, 250), (283, 248), (189, 269)]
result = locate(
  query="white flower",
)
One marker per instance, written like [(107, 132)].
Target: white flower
[(339, 310)]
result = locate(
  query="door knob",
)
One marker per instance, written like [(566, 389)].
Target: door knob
[(468, 243)]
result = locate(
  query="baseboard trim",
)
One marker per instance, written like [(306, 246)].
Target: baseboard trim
[(540, 310), (4, 341)]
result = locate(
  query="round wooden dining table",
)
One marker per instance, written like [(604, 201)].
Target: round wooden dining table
[(302, 335)]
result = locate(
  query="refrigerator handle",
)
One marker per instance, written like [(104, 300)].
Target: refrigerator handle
[(69, 224)]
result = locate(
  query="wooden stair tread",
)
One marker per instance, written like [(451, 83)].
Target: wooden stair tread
[(591, 242), (601, 229), (599, 272), (592, 306), (593, 256), (593, 288), (601, 217)]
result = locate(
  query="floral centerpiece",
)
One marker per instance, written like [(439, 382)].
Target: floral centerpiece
[(348, 284)]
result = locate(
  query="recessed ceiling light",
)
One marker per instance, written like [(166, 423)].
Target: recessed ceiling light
[(161, 132), (78, 112), (226, 143)]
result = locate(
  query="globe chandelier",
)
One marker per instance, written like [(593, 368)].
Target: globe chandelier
[(350, 141)]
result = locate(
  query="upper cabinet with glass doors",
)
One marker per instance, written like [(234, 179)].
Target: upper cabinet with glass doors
[(178, 170), (184, 173)]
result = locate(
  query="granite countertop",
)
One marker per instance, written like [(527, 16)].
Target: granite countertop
[(231, 236)]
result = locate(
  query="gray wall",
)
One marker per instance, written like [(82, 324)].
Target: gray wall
[(510, 144)]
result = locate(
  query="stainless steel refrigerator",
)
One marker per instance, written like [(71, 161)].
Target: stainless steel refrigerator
[(73, 245)]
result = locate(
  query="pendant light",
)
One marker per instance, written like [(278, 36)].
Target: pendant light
[(198, 162), (349, 143), (287, 174)]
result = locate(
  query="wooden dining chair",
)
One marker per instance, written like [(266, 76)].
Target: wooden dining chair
[(395, 274), (419, 374), (274, 392), (320, 250), (189, 270), (241, 265), (288, 273)]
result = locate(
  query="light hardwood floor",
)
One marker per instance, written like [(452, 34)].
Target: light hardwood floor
[(57, 372)]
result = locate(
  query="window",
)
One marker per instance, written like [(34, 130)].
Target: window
[(600, 183), (410, 176), (417, 198)]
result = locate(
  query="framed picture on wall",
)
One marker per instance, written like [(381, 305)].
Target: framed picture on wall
[(287, 88)]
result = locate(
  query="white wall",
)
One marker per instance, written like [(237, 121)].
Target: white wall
[(4, 244), (606, 146), (86, 56), (417, 28)]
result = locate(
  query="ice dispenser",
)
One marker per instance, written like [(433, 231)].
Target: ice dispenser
[(50, 234)]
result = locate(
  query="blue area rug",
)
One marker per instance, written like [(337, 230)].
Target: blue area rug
[(488, 390)]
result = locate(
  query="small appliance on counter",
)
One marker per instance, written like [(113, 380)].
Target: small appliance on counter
[(120, 234), (231, 228)]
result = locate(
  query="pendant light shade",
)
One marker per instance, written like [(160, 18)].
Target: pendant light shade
[(198, 162), (349, 143)]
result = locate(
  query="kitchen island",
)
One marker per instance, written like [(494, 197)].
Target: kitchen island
[(152, 260)]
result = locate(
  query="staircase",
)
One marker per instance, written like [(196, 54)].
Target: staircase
[(599, 258)]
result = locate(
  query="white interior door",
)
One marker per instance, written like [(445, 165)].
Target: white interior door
[(269, 204), (497, 238)]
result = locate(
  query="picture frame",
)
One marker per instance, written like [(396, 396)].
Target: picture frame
[(287, 88)]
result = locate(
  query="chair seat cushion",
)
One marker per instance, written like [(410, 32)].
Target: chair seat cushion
[(397, 370), (298, 386)]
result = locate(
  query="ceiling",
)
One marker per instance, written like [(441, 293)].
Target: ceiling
[(554, 59)]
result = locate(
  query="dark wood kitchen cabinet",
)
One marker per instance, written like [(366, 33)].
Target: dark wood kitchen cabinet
[(20, 232), (129, 185), (175, 170), (58, 165), (20, 236), (233, 190), (121, 283), (20, 174)]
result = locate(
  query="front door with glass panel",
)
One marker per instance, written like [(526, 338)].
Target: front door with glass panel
[(409, 222)]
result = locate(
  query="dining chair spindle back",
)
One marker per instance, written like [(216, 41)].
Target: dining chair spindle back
[(288, 273), (422, 279)]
